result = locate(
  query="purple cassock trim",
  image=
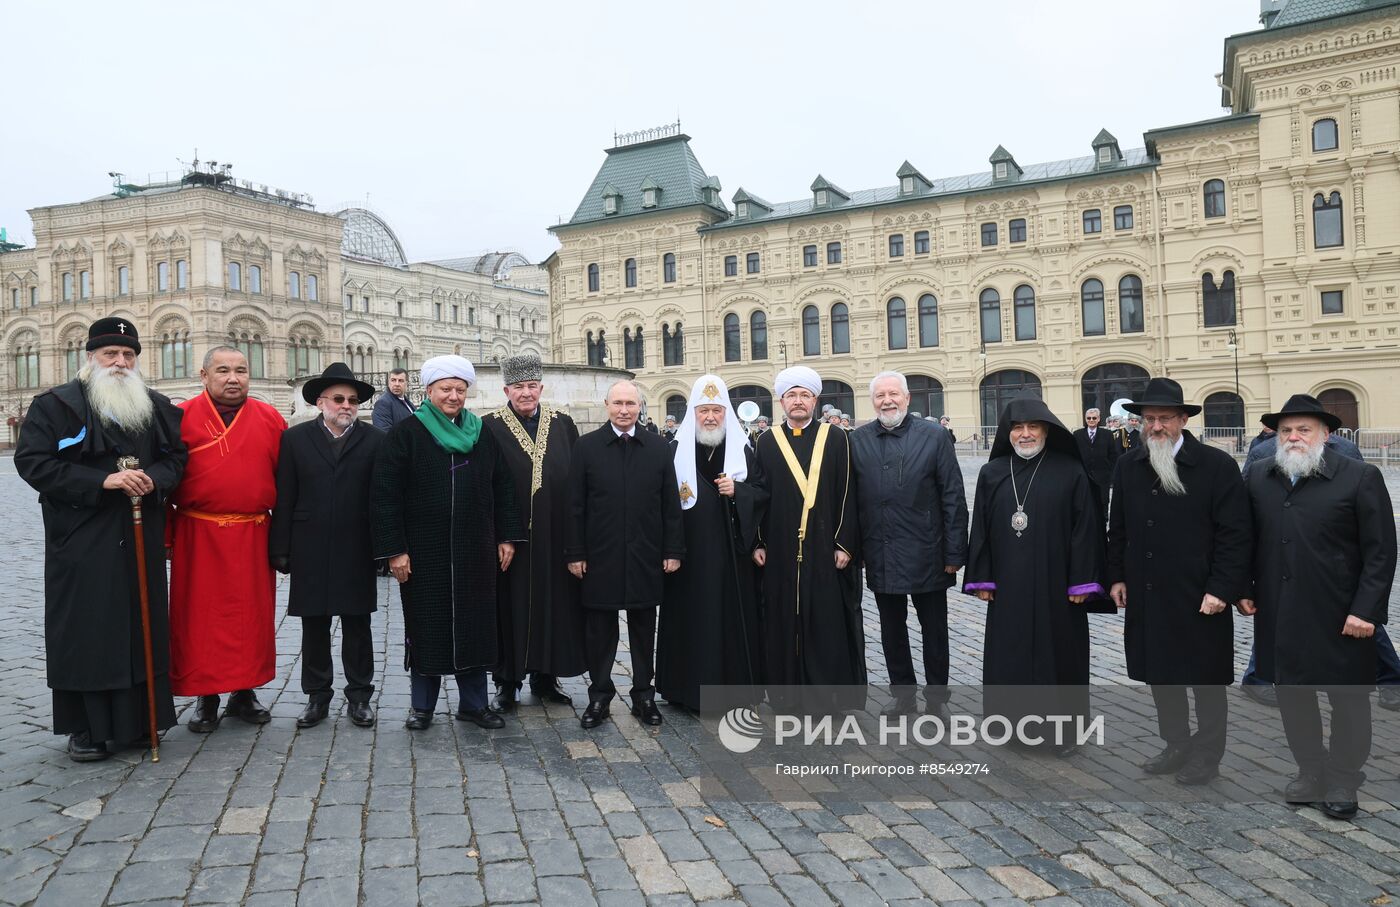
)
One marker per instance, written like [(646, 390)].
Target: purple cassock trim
[(1087, 589), (980, 587)]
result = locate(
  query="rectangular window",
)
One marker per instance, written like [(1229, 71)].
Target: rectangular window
[(731, 266), (522, 324), (1332, 302), (14, 298), (1093, 221), (921, 242), (85, 284), (349, 301), (1001, 171), (255, 279), (33, 295), (67, 286), (294, 285), (163, 277), (313, 288), (498, 322), (364, 303), (182, 275), (751, 263), (455, 310), (1016, 230), (989, 235), (809, 256), (897, 245), (123, 282), (1123, 217), (833, 253), (437, 311)]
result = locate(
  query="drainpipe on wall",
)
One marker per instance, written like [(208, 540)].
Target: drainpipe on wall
[(704, 311)]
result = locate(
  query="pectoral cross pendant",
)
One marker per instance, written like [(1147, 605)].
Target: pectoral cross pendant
[(1019, 522)]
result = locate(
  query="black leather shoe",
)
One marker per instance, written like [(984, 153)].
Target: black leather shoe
[(82, 749), (206, 715), (1197, 772), (1262, 693), (1168, 760), (1305, 788), (244, 704), (646, 711), (505, 699), (547, 689), (595, 714), (1339, 803), (361, 715), (482, 718), (315, 712), (418, 720)]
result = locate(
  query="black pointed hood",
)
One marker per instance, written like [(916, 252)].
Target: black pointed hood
[(1032, 409)]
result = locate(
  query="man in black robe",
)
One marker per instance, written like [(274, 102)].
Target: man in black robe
[(812, 633), (709, 624), (1035, 556), (626, 534), (68, 451), (540, 621), (1178, 556), (1324, 561)]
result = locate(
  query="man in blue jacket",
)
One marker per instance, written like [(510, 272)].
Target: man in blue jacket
[(392, 408)]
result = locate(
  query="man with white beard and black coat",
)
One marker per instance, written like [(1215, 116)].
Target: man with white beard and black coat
[(70, 451), (1178, 556), (1324, 560)]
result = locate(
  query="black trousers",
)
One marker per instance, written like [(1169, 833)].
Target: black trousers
[(932, 611), (356, 656), (1212, 713), (600, 637), (1341, 761)]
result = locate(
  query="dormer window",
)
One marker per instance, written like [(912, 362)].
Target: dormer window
[(906, 185), (1001, 171), (1004, 166), (825, 195), (742, 209), (1105, 155), (821, 197), (610, 204), (648, 198), (1106, 150)]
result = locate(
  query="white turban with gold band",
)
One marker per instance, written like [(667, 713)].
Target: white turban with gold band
[(798, 376), (708, 389)]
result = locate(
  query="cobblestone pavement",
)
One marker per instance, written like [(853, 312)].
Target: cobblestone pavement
[(544, 812)]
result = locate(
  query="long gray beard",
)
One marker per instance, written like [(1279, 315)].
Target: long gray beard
[(890, 420), (122, 402), (1159, 454), (710, 437), (1299, 464)]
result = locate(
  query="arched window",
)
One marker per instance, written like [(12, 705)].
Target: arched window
[(235, 276), (593, 278), (1091, 307), (1224, 409), (589, 349), (73, 357), (1218, 302), (676, 406), (811, 331), (999, 388), (1130, 314), (254, 279), (294, 285), (990, 305), (1214, 191), (162, 279), (627, 348), (668, 267), (925, 395), (1342, 404), (123, 282), (757, 394), (840, 329), (733, 342), (896, 324), (672, 345), (1324, 135), (839, 395), (1327, 220), (633, 351), (313, 288), (928, 320), (1025, 313), (175, 354), (758, 336), (1114, 381), (26, 357), (630, 271), (182, 274)]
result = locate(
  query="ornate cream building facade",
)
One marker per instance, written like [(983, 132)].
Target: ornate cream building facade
[(205, 259), (1249, 256)]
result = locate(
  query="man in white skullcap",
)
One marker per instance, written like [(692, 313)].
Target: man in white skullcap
[(709, 625), (445, 517), (809, 536)]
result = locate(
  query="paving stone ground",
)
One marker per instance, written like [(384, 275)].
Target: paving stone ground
[(544, 812)]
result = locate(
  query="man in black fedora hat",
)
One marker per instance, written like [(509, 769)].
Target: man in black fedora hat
[(1178, 556), (1324, 560), (321, 536)]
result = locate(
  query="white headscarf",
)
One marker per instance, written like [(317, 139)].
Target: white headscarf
[(798, 376), (440, 367), (708, 389)]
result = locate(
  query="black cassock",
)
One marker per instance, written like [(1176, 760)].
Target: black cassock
[(812, 615), (709, 631), (541, 622)]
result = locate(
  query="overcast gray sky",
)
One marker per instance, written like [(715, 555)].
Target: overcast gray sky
[(473, 126)]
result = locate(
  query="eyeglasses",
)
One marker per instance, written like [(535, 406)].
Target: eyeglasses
[(341, 399)]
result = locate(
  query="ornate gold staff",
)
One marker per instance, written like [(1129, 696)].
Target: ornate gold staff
[(133, 463)]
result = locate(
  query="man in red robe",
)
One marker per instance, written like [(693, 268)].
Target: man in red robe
[(222, 633)]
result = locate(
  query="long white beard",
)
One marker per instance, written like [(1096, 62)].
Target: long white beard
[(1163, 460), (890, 420), (710, 437), (120, 401), (1299, 464)]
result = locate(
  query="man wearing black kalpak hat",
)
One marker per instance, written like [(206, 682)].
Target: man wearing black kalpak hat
[(1324, 560), (321, 536), (68, 451), (1178, 557)]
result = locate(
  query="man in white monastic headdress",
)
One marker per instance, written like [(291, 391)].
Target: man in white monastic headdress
[(709, 629), (811, 579)]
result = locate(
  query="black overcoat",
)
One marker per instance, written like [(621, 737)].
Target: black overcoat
[(626, 517), (447, 512), (1173, 550), (1098, 455), (1323, 549), (913, 511), (321, 521), (92, 616)]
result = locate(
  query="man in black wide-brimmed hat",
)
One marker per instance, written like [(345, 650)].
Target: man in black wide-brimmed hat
[(1324, 559), (1178, 557), (321, 536)]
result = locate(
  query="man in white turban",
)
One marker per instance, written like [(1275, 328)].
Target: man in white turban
[(709, 629), (811, 582)]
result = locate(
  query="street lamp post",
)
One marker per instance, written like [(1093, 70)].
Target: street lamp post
[(982, 354), (1234, 346)]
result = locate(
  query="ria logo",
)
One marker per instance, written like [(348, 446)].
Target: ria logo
[(740, 730)]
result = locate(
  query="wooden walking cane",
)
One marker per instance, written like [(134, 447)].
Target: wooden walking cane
[(133, 463)]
